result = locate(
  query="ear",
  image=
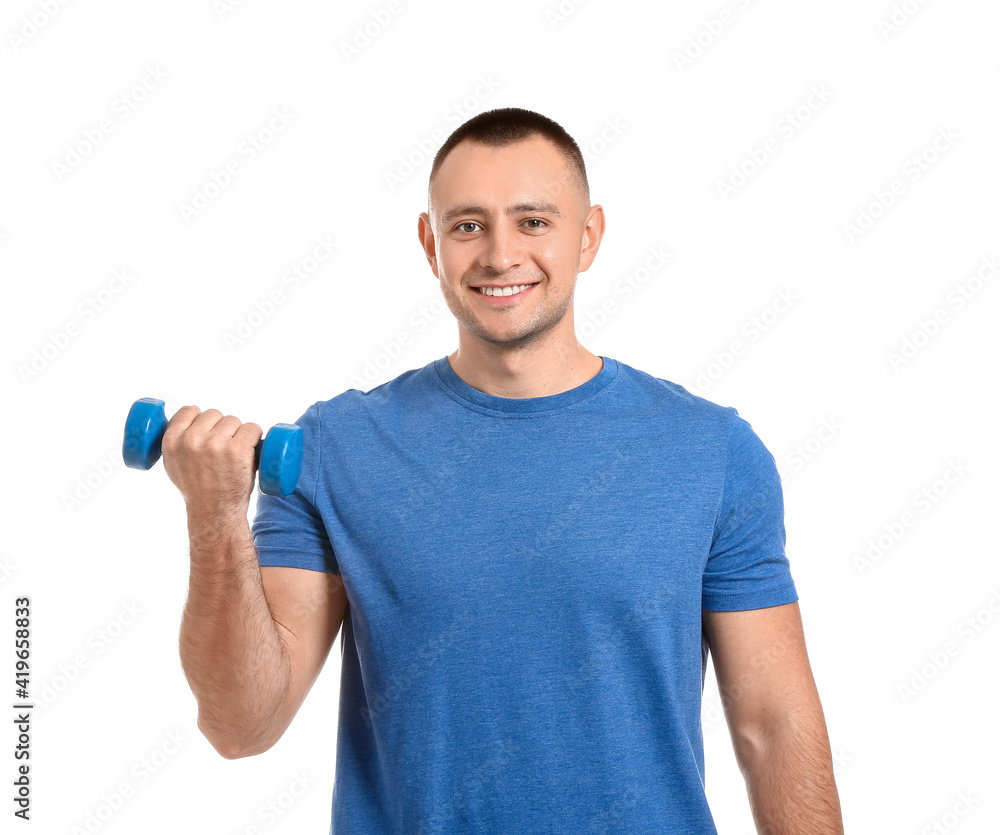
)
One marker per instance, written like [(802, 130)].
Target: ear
[(593, 233), (426, 234)]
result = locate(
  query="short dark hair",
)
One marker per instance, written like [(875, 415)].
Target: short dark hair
[(507, 125)]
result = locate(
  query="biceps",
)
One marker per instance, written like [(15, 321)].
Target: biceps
[(308, 609), (760, 661)]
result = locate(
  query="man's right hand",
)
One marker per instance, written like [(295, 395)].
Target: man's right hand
[(211, 459)]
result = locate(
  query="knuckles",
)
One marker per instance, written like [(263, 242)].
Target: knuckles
[(186, 435)]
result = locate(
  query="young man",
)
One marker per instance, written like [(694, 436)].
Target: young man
[(535, 547)]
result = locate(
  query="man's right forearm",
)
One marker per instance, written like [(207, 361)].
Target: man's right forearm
[(231, 650)]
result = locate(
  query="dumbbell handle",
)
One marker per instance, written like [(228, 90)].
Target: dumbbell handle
[(279, 453)]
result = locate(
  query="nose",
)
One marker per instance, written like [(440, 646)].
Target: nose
[(502, 249)]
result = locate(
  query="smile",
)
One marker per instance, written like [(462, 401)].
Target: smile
[(505, 291)]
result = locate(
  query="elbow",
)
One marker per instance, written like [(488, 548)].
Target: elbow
[(759, 743), (232, 746), (231, 750), (749, 745)]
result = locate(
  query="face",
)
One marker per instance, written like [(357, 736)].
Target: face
[(510, 216)]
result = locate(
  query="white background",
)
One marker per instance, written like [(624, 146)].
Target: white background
[(102, 550)]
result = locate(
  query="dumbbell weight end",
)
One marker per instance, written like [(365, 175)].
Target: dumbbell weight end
[(144, 428)]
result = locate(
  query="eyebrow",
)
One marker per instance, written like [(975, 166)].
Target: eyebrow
[(520, 208)]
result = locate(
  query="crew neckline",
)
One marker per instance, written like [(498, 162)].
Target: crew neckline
[(490, 403)]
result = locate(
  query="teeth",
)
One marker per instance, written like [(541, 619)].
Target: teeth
[(506, 291)]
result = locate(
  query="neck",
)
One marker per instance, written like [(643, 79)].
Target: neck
[(524, 372)]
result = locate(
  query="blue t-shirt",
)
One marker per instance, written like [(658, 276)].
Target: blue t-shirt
[(523, 650)]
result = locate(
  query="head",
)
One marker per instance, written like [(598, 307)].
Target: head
[(509, 204)]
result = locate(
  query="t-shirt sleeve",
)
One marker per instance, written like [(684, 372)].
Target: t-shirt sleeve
[(288, 530), (747, 567)]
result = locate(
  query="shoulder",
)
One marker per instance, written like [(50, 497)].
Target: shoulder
[(673, 399), (700, 422), (376, 402)]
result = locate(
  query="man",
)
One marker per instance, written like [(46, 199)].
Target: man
[(535, 548)]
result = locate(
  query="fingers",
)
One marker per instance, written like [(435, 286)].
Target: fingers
[(183, 418), (210, 456), (191, 421), (251, 431), (188, 427)]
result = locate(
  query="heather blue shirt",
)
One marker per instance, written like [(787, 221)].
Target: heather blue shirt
[(523, 649)]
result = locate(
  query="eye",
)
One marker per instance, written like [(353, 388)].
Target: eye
[(467, 223), (536, 220)]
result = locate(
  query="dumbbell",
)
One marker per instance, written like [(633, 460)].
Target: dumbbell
[(279, 453)]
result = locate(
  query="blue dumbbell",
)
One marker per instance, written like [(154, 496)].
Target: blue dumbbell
[(279, 453)]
